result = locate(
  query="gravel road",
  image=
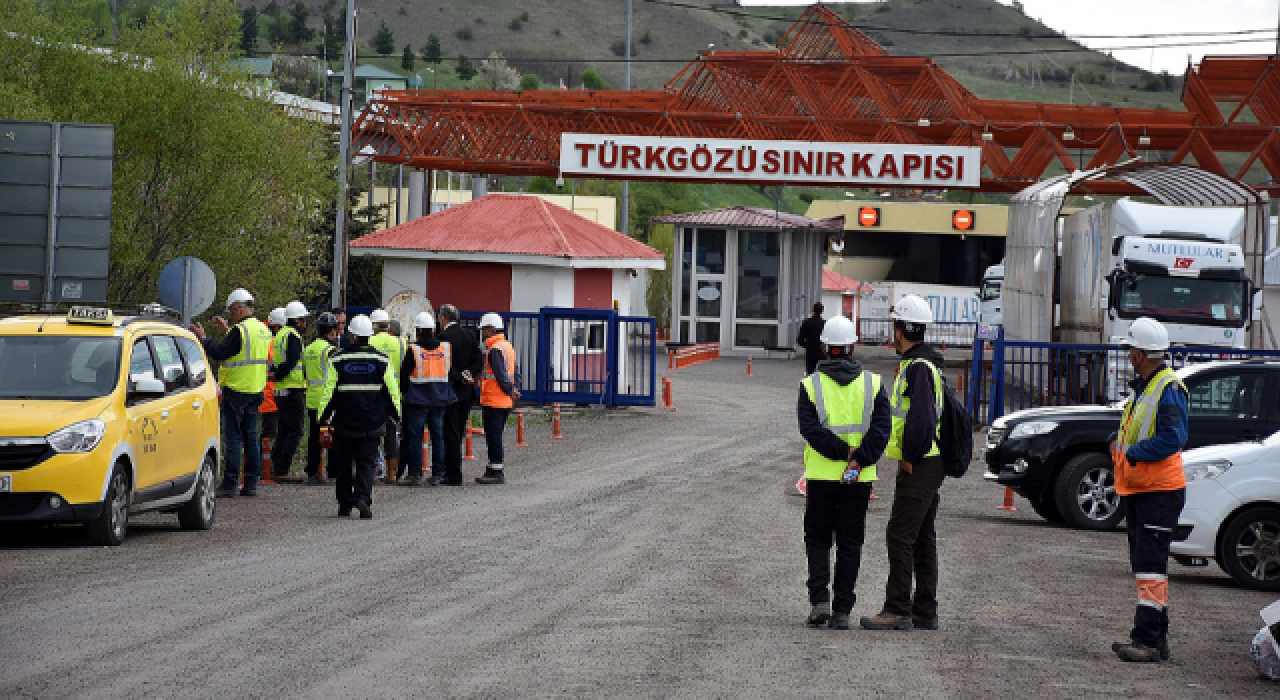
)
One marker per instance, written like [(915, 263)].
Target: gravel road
[(650, 553)]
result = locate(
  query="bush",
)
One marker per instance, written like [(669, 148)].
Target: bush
[(529, 81), (591, 80), (742, 34), (515, 24), (524, 16), (463, 34), (619, 48), (646, 39)]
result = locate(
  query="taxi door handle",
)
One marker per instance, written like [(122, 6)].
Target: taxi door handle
[(164, 415), (195, 404)]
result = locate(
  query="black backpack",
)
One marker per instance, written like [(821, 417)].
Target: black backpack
[(955, 432)]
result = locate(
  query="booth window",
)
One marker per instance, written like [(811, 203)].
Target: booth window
[(758, 265)]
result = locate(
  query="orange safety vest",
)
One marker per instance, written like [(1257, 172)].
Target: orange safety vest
[(1139, 423), (269, 393), (490, 393), (430, 365)]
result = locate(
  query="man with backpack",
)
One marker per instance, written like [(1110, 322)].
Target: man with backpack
[(916, 403)]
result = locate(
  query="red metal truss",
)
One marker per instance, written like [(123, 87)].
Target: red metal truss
[(828, 81)]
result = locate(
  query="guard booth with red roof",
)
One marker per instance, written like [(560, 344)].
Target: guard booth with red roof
[(560, 280), (840, 295)]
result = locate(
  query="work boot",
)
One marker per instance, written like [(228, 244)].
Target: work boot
[(820, 614), (839, 621), (225, 493), (249, 492), (415, 482), (1132, 651), (924, 623), (434, 480), (344, 511), (289, 478), (886, 621), (316, 481), (492, 476), (1163, 648), (366, 513), (393, 470)]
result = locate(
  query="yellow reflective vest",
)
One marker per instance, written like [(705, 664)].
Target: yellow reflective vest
[(246, 371), (295, 379), (900, 404), (845, 411), (316, 368)]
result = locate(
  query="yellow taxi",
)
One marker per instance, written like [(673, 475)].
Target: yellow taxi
[(103, 414)]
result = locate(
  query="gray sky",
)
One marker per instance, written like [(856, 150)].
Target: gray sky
[(1128, 17)]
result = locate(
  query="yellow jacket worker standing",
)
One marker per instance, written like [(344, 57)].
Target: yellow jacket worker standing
[(315, 368), (243, 376), (843, 414), (394, 347)]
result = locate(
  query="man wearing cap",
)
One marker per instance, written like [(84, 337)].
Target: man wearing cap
[(243, 376), (291, 390), (843, 414), (1147, 455), (915, 407), (315, 367), (498, 393), (389, 343), (360, 398), (424, 382)]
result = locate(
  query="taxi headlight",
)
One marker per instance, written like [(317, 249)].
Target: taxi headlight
[(80, 437), (1032, 428), (1210, 469)]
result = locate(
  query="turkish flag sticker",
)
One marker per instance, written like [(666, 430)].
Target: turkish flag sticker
[(1183, 263)]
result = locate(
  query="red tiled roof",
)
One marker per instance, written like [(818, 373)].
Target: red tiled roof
[(512, 224), (833, 281), (751, 217)]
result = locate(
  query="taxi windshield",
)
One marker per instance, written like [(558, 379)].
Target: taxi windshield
[(58, 367)]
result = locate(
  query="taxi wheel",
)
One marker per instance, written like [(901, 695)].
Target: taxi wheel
[(197, 514), (111, 525)]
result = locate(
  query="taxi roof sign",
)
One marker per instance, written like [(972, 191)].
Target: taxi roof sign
[(90, 315)]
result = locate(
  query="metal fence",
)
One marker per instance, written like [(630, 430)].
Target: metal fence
[(1020, 375), (879, 331)]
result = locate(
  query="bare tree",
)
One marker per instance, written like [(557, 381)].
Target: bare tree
[(497, 74)]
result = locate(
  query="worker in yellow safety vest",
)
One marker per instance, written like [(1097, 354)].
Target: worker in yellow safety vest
[(315, 368), (291, 390), (498, 392), (843, 414), (389, 343), (243, 376)]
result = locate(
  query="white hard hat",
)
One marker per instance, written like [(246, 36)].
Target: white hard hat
[(239, 296), (424, 320), (361, 326), (380, 316), (1147, 334), (491, 320), (912, 308), (838, 331), (276, 317), (296, 309)]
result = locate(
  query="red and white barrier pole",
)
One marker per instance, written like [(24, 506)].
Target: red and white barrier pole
[(469, 454), (748, 365), (520, 429), (555, 423)]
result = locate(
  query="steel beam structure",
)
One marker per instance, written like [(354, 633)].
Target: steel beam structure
[(827, 81)]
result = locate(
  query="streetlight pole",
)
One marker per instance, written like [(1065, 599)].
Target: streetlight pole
[(623, 218), (344, 157)]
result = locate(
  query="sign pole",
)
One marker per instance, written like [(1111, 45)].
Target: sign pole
[(186, 291)]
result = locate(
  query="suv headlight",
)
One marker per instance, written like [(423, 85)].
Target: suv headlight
[(80, 437), (1211, 469), (1032, 428)]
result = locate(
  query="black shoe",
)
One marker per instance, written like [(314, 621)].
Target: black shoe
[(886, 621), (924, 623), (225, 493), (1163, 648), (417, 481), (451, 482), (819, 615), (434, 480), (344, 511), (492, 476), (249, 492), (839, 621), (1132, 651), (366, 513), (316, 481)]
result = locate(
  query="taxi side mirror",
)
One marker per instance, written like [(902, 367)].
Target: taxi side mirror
[(147, 388)]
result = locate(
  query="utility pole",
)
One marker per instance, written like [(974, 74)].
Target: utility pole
[(344, 157), (624, 215)]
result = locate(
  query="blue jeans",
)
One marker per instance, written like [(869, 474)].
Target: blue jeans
[(240, 433), (495, 421), (416, 420)]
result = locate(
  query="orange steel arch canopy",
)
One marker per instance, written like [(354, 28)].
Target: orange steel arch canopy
[(828, 81)]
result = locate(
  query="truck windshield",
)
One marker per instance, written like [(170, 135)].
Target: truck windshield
[(58, 367), (1184, 300), (990, 290)]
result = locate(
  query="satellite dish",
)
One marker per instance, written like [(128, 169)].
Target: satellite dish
[(405, 306), (188, 285)]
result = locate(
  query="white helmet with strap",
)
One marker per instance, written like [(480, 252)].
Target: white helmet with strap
[(838, 331), (379, 316), (239, 296), (296, 309), (912, 308), (424, 321), (361, 326), (491, 320), (276, 317), (1147, 334)]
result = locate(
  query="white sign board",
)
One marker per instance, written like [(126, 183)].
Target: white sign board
[(792, 162)]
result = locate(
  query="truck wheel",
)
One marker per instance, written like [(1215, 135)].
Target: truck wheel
[(1085, 493), (1250, 549), (109, 528), (1047, 509), (197, 514)]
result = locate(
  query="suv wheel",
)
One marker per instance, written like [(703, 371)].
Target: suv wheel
[(1085, 493), (197, 514), (110, 526), (1250, 549)]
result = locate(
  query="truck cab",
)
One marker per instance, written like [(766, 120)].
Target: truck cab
[(989, 296)]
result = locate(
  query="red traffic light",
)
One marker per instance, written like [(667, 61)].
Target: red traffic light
[(963, 219), (869, 216)]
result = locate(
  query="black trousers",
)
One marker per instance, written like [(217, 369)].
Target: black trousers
[(455, 426), (352, 461), (811, 360), (912, 541), (839, 511), (291, 408), (314, 451), (1150, 519)]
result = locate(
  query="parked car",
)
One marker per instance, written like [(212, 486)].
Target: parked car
[(1232, 513), (1056, 457)]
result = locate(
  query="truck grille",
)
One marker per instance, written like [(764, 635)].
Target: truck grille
[(23, 455)]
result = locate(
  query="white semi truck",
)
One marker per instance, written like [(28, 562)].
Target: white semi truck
[(989, 296)]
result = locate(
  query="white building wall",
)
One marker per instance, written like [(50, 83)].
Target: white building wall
[(622, 291), (399, 275), (535, 286)]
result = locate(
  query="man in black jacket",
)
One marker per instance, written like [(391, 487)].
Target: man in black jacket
[(810, 338), (466, 365)]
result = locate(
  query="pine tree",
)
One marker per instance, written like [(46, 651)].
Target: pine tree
[(248, 29), (432, 54), (465, 70), (298, 30), (406, 59), (384, 42)]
